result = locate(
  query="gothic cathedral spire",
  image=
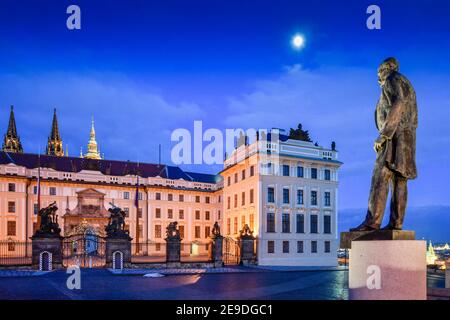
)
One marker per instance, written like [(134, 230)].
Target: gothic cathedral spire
[(93, 152), (54, 144), (11, 141)]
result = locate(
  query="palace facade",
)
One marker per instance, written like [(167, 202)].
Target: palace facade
[(285, 189)]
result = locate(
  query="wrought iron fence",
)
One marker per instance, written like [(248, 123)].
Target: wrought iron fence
[(155, 252), (14, 253)]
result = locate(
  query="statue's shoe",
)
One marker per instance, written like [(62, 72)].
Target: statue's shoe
[(364, 227)]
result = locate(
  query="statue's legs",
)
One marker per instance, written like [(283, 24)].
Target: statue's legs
[(379, 190), (398, 201)]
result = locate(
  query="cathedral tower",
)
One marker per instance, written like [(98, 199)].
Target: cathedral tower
[(54, 144), (11, 141), (93, 152)]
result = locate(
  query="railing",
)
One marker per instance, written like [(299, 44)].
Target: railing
[(155, 252), (15, 253)]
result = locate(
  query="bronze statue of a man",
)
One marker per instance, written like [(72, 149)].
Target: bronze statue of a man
[(396, 121)]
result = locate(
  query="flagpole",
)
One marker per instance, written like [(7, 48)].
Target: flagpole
[(39, 188)]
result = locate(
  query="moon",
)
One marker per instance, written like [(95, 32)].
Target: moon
[(298, 41)]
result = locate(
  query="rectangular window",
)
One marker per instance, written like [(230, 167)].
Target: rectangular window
[(314, 198), (270, 222), (243, 199), (207, 215), (252, 195), (300, 199), (218, 214), (242, 222), (299, 246), (252, 171), (126, 195), (327, 199), (181, 197), (158, 196), (235, 200), (11, 206), (313, 246), (327, 246), (285, 195), (140, 213), (181, 214), (207, 199), (140, 196), (170, 197), (270, 195), (157, 231), (11, 187), (236, 225), (300, 223), (314, 227), (207, 232), (228, 226), (169, 214), (243, 174), (327, 174), (229, 181), (313, 173), (127, 212), (35, 208), (285, 170), (235, 178), (285, 246), (286, 223), (158, 213), (35, 189), (141, 232), (299, 172), (11, 228), (252, 221), (327, 224), (228, 203), (197, 232), (197, 198), (181, 229), (197, 214), (52, 191), (270, 246)]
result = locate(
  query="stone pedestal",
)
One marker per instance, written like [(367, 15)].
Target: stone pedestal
[(173, 252), (48, 249), (118, 250), (447, 275), (217, 250), (247, 249), (387, 270), (348, 237)]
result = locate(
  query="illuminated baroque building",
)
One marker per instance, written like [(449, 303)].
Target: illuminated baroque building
[(285, 190)]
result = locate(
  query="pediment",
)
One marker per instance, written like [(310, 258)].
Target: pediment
[(90, 192)]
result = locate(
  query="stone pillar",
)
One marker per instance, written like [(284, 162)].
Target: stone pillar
[(48, 248), (217, 250), (173, 252), (118, 244), (447, 275), (247, 250), (388, 270)]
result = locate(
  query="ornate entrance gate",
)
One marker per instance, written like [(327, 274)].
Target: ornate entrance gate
[(231, 251), (86, 250)]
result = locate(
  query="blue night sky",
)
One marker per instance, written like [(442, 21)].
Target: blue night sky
[(145, 68)]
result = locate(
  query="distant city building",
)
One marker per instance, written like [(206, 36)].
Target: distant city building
[(431, 255)]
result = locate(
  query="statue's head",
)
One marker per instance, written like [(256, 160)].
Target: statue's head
[(388, 66)]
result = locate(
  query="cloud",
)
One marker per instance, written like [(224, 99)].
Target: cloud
[(130, 121), (337, 104)]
